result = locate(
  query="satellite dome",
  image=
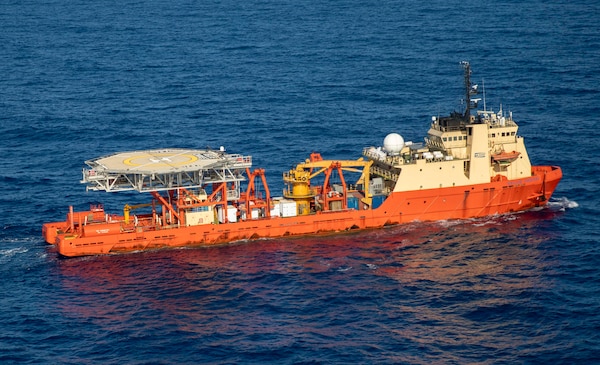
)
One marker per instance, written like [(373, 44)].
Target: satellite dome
[(393, 143)]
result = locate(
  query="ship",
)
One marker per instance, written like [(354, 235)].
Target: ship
[(471, 164)]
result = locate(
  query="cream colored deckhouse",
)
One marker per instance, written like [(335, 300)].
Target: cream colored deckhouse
[(459, 150)]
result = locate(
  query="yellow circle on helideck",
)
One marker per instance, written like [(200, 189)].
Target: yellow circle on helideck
[(180, 159)]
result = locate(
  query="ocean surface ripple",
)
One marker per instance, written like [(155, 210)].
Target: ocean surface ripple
[(278, 80)]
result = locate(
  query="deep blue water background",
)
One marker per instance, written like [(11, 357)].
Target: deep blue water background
[(278, 80)]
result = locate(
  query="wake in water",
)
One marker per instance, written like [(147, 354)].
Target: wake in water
[(561, 204), (554, 205), (12, 251), (11, 258)]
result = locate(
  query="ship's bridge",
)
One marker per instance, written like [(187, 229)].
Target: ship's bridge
[(164, 169)]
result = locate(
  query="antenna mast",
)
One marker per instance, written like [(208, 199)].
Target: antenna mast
[(467, 68), (483, 85)]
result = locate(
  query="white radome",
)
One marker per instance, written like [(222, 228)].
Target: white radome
[(393, 143)]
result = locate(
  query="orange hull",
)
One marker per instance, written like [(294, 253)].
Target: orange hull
[(460, 202)]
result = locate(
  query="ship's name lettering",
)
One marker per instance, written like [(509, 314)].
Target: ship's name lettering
[(523, 182)]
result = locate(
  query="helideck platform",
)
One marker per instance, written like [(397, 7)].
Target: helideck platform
[(164, 169)]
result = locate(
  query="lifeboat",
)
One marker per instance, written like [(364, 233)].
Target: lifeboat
[(504, 158)]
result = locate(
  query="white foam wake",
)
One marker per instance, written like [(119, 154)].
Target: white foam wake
[(562, 204), (10, 252)]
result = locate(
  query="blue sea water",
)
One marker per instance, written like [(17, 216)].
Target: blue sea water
[(277, 80)]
